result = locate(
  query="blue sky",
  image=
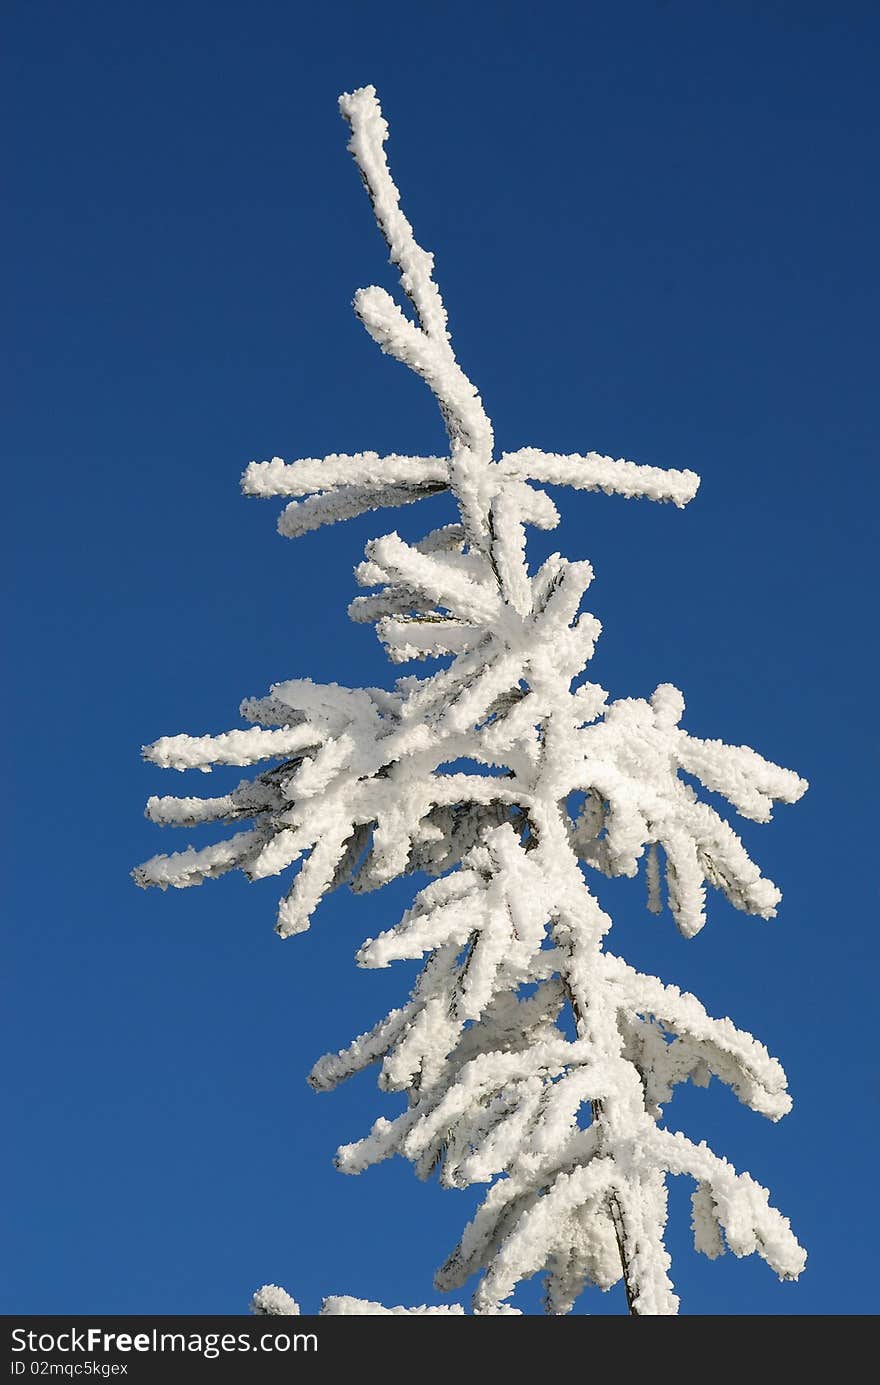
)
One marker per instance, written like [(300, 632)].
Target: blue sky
[(655, 228)]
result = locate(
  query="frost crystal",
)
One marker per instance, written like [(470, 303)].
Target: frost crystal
[(534, 1061)]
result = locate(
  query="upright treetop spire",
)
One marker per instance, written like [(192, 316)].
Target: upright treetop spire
[(343, 486)]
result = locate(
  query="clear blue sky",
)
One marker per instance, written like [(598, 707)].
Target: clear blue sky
[(656, 229)]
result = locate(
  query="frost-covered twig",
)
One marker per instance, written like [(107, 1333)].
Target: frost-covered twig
[(362, 788)]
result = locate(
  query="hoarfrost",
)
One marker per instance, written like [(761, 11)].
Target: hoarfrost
[(567, 1133)]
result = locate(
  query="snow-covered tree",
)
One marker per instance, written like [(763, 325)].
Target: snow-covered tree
[(534, 1061)]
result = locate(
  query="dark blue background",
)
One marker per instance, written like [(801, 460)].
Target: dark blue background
[(656, 230)]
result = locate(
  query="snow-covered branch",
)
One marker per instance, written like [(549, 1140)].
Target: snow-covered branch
[(534, 1062)]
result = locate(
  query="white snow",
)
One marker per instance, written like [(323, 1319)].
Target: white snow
[(565, 785)]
